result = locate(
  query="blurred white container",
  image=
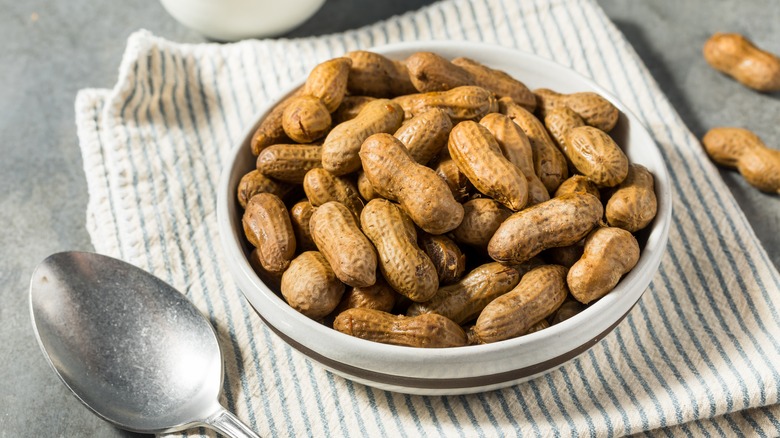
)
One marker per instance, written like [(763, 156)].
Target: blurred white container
[(230, 20)]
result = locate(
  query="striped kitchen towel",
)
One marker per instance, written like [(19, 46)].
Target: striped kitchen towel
[(697, 356)]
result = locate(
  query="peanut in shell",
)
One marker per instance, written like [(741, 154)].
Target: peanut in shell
[(538, 294), (561, 221)]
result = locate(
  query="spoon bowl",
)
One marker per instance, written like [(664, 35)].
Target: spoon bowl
[(131, 348)]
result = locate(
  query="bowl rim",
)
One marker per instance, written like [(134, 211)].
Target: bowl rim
[(627, 293)]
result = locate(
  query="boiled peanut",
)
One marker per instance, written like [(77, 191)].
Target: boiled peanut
[(461, 103), (405, 267), (428, 330), (563, 255), (300, 215), (549, 162), (740, 148), (463, 301), (271, 279), (560, 221), (270, 130), (594, 153), (365, 188), (396, 176), (445, 255), (350, 107), (595, 110), (289, 162), (633, 205), (568, 309), (255, 182), (541, 325), (497, 81), (471, 336), (481, 218), (267, 227), (306, 119), (577, 184), (609, 254), (431, 72), (337, 236), (738, 57), (310, 286), (328, 82), (425, 135), (446, 169), (321, 186), (341, 146), (478, 156), (374, 75), (379, 296), (517, 149), (538, 294), (559, 121)]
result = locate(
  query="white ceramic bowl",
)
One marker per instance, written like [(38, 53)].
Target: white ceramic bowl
[(231, 20), (472, 368)]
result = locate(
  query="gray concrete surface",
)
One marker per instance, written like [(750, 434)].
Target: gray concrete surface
[(49, 50)]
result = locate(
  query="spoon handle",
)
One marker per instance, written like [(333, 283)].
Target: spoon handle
[(224, 422)]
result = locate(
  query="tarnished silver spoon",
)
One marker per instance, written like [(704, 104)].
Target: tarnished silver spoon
[(132, 348)]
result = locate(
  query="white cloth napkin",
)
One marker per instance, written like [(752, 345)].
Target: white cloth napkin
[(697, 356)]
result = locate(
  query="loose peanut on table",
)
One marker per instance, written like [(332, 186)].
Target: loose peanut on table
[(467, 174), (744, 150), (738, 57)]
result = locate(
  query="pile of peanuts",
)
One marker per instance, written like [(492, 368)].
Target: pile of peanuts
[(417, 172)]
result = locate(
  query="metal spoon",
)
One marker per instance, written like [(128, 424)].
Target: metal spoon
[(132, 348)]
